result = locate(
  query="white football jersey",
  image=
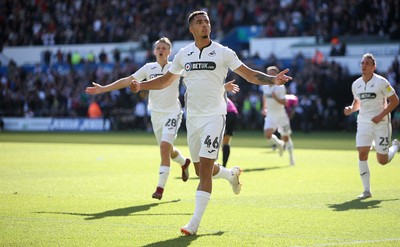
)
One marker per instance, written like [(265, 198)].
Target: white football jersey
[(372, 96), (205, 72), (164, 100), (274, 108)]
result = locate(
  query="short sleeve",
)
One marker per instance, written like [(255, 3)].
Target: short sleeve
[(281, 92), (140, 74), (353, 90), (232, 60), (176, 65), (387, 89)]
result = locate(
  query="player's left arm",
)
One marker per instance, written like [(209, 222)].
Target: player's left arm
[(260, 78), (393, 103)]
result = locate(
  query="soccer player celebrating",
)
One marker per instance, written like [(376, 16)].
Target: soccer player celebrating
[(206, 65), (372, 93), (166, 111)]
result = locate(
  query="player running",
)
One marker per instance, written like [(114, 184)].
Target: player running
[(276, 116), (166, 111)]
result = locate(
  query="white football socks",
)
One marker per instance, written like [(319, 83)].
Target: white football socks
[(202, 199), (179, 158), (392, 151), (163, 176), (275, 140), (223, 173), (364, 174), (290, 147)]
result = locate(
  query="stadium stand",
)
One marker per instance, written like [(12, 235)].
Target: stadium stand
[(55, 86)]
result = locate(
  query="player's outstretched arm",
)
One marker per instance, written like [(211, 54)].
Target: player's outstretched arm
[(260, 78), (118, 84)]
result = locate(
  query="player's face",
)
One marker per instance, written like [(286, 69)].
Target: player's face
[(162, 51), (367, 66), (200, 27)]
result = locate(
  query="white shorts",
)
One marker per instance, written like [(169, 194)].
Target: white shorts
[(204, 136), (381, 133), (166, 126), (280, 122)]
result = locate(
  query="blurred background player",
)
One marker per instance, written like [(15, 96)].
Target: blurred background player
[(276, 117), (374, 99), (166, 111), (292, 101), (231, 123)]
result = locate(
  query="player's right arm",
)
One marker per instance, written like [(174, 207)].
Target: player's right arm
[(118, 84), (157, 83), (355, 106), (264, 110)]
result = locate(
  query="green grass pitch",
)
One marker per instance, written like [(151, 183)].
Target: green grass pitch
[(94, 189)]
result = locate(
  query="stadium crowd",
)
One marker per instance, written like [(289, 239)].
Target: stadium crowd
[(56, 87), (51, 22)]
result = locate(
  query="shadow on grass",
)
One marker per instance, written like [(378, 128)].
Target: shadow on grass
[(182, 240), (264, 168), (116, 212), (357, 204), (248, 170)]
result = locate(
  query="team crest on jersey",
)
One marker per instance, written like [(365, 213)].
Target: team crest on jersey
[(367, 96), (213, 53), (154, 75), (200, 66)]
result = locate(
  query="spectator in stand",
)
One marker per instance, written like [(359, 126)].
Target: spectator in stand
[(337, 47), (318, 57), (94, 110), (47, 24)]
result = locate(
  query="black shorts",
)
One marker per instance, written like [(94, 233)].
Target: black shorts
[(231, 122)]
